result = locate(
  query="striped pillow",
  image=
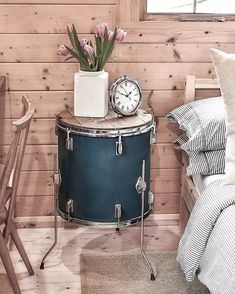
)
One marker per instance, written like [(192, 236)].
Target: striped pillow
[(206, 162), (203, 122)]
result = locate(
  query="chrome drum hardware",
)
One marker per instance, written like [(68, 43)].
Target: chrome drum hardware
[(69, 209), (119, 148), (69, 140)]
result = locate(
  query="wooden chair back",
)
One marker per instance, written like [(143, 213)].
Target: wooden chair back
[(20, 129), (8, 189)]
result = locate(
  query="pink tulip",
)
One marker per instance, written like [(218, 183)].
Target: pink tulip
[(62, 50), (89, 49), (120, 35), (83, 43), (110, 35), (100, 29), (69, 28)]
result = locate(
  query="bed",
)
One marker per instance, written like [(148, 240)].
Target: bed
[(207, 218)]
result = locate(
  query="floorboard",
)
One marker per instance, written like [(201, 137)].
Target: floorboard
[(62, 269)]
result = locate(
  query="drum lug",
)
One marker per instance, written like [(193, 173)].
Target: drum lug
[(153, 134), (118, 213), (151, 199), (69, 140), (57, 178), (140, 185), (69, 208), (119, 148)]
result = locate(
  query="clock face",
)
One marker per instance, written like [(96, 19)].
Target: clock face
[(126, 96)]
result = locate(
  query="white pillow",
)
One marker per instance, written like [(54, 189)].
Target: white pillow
[(225, 69)]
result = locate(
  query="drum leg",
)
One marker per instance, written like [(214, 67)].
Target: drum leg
[(142, 187), (57, 181)]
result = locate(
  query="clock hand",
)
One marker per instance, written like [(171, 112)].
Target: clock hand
[(124, 89), (131, 92), (121, 93)]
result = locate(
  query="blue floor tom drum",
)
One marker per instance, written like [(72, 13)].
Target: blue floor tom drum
[(100, 161)]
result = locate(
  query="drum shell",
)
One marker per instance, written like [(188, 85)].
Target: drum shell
[(97, 179)]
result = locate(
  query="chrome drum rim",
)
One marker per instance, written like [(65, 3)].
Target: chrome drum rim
[(126, 223), (125, 132)]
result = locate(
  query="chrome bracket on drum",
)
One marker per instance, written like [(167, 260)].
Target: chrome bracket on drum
[(69, 140), (69, 209), (57, 178), (153, 134), (119, 148), (118, 214), (151, 199), (140, 185)]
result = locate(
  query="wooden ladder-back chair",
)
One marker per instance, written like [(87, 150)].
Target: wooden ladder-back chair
[(8, 189)]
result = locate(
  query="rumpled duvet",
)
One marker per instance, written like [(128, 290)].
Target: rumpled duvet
[(207, 247)]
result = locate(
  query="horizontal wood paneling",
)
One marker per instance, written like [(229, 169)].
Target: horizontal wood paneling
[(42, 131), (59, 76), (168, 52), (52, 19), (37, 157), (35, 183), (166, 203), (34, 206), (165, 156), (28, 48), (165, 181), (179, 32), (49, 103), (167, 132)]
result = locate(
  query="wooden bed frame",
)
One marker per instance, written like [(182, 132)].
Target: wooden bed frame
[(188, 192)]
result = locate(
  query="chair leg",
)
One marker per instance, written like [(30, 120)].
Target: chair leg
[(6, 260), (16, 238)]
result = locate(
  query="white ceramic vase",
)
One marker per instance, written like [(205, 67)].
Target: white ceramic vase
[(91, 93)]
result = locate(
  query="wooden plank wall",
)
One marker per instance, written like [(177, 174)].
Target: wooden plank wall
[(158, 54)]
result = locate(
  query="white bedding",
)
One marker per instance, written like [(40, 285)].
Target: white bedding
[(201, 182)]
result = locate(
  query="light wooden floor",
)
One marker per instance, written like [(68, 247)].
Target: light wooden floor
[(61, 273)]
